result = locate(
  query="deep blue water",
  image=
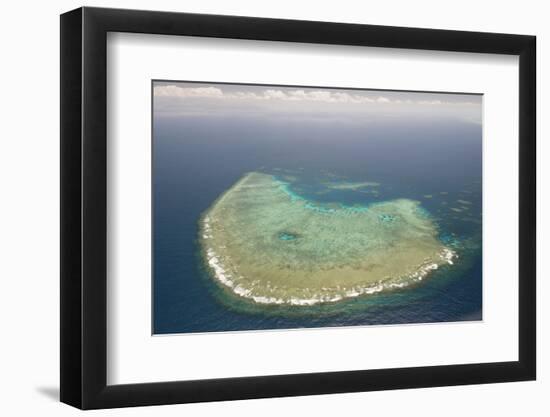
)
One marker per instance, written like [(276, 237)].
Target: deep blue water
[(197, 159)]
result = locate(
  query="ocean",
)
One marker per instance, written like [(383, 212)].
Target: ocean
[(196, 159)]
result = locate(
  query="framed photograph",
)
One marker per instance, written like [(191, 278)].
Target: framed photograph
[(257, 208)]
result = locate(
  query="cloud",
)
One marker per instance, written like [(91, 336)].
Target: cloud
[(232, 100), (431, 102), (300, 95), (175, 91), (322, 96)]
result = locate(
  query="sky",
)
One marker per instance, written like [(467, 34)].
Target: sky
[(214, 100)]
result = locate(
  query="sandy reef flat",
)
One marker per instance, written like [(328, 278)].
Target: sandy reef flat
[(350, 185), (263, 242)]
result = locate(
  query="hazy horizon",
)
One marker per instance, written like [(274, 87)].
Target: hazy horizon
[(199, 100)]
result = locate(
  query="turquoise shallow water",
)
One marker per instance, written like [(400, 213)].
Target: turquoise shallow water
[(436, 165)]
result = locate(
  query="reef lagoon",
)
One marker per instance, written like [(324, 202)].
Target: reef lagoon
[(266, 243)]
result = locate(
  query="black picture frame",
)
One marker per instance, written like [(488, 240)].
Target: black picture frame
[(84, 207)]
